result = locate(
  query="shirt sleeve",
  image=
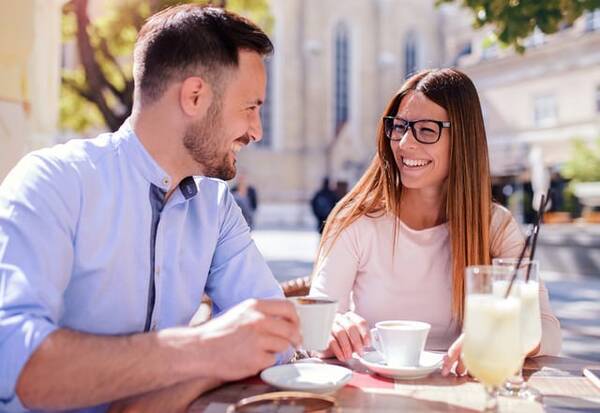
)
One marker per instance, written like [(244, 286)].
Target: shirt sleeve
[(507, 242), (238, 270), (336, 269), (36, 257)]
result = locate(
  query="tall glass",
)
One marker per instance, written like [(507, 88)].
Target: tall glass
[(527, 291), (492, 349)]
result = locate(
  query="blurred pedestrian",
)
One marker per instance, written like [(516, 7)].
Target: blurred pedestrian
[(322, 203), (246, 198), (341, 189)]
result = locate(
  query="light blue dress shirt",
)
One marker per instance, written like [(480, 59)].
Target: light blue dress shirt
[(87, 243)]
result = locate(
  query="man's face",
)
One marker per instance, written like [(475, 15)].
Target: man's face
[(232, 121)]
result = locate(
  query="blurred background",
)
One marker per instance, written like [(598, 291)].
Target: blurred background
[(65, 72)]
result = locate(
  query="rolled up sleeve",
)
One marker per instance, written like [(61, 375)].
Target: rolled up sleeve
[(36, 257)]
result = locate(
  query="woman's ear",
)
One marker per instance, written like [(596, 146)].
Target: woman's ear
[(195, 96)]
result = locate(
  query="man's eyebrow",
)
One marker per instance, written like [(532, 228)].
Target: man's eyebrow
[(257, 102)]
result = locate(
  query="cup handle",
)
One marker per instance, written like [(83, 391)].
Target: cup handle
[(375, 340)]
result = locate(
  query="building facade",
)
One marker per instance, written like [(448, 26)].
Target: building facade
[(335, 69)]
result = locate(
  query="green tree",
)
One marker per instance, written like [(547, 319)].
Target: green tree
[(515, 20), (584, 163), (99, 93)]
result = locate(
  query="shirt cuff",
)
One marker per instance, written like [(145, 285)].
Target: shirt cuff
[(285, 357), (20, 337)]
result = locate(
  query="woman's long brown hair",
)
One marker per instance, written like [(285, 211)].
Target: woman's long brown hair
[(468, 199)]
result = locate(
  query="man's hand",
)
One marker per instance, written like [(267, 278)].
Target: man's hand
[(244, 340)]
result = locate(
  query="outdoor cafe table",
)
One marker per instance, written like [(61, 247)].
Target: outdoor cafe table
[(559, 379)]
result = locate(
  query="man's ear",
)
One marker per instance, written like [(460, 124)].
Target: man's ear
[(195, 96)]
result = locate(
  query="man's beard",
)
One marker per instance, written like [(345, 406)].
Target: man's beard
[(204, 142)]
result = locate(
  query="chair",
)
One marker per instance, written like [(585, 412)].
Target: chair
[(297, 287), (293, 288)]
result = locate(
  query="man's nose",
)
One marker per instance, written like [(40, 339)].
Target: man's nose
[(255, 130)]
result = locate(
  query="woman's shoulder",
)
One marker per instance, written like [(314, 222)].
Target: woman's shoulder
[(500, 214), (505, 234)]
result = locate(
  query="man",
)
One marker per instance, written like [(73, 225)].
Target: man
[(246, 198), (322, 203), (107, 245)]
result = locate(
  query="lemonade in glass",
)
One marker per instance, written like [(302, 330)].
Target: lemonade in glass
[(526, 289), (492, 349)]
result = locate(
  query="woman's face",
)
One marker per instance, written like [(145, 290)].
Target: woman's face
[(422, 166)]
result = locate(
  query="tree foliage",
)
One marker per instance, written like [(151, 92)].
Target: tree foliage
[(515, 20), (98, 93), (584, 164)]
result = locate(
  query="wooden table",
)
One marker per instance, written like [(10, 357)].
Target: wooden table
[(559, 379)]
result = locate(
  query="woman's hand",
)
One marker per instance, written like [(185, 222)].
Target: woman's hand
[(454, 358), (350, 333)]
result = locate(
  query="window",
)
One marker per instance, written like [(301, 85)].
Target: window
[(410, 55), (592, 21), (342, 76), (545, 111), (266, 111)]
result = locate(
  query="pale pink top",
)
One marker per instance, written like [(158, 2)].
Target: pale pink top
[(415, 283)]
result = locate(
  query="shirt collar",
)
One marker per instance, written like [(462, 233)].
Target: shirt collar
[(148, 167)]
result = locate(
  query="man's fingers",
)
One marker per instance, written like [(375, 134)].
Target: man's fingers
[(278, 308), (282, 329), (274, 344)]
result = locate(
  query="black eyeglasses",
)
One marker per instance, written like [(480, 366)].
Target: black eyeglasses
[(425, 131)]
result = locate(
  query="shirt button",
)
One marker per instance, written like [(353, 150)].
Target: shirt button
[(165, 181), (157, 271), (154, 326)]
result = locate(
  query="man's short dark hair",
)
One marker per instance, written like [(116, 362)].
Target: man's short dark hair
[(188, 40)]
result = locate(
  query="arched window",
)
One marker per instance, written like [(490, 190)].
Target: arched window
[(342, 76), (410, 54), (266, 111)]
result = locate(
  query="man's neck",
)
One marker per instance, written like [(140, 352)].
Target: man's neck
[(161, 138)]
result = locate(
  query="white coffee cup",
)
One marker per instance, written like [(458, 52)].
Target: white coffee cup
[(316, 320), (400, 342)]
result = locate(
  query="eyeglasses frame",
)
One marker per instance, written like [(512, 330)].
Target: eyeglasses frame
[(411, 125)]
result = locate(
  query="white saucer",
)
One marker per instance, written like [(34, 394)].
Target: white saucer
[(311, 377), (428, 364)]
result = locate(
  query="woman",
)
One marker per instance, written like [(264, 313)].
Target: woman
[(397, 245)]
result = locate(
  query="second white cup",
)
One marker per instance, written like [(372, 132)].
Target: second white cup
[(400, 342)]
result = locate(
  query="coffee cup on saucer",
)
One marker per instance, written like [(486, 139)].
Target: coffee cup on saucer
[(400, 342)]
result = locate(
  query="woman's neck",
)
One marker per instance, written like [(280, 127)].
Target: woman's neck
[(423, 208)]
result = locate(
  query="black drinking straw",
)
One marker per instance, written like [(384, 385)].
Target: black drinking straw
[(514, 276), (536, 229)]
